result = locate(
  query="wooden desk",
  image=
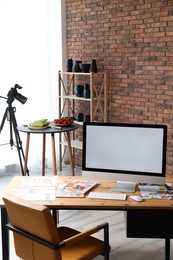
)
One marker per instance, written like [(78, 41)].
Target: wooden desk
[(151, 206), (52, 131)]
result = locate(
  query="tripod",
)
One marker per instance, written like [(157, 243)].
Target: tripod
[(10, 116)]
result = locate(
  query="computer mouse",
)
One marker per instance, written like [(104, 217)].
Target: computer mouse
[(136, 198)]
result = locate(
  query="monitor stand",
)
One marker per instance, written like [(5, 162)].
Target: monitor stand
[(123, 186)]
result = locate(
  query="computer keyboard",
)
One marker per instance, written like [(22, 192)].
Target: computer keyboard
[(107, 195)]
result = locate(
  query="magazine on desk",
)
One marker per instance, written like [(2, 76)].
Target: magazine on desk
[(75, 188), (41, 193), (41, 181), (37, 188), (156, 191)]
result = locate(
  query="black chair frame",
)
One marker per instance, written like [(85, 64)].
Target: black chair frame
[(104, 226)]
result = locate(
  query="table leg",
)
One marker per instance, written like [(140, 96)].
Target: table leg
[(26, 153), (43, 154), (70, 153), (4, 235), (167, 248), (53, 154)]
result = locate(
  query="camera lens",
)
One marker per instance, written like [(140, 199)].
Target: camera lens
[(21, 98)]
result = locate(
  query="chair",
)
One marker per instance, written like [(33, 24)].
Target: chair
[(36, 236)]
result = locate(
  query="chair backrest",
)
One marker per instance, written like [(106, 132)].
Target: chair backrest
[(34, 219)]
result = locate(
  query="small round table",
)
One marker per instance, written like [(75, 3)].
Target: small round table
[(51, 130)]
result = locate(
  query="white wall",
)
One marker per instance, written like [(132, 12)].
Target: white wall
[(30, 55)]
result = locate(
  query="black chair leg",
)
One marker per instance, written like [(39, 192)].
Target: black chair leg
[(105, 227), (5, 235)]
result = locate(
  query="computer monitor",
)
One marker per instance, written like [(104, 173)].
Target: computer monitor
[(126, 153)]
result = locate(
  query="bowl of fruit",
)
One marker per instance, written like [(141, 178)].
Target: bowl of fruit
[(64, 121)]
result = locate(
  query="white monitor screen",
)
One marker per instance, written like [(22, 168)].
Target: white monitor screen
[(125, 148)]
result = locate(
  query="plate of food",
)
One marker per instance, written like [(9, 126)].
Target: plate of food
[(38, 127), (39, 124), (63, 121)]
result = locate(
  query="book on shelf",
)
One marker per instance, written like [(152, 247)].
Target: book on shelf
[(75, 188)]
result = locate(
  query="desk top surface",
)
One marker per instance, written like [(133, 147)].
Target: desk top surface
[(50, 130), (94, 204)]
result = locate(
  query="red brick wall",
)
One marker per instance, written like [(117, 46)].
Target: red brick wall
[(133, 41)]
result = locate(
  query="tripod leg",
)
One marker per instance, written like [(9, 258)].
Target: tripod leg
[(11, 133), (18, 141), (8, 117), (19, 149), (3, 119)]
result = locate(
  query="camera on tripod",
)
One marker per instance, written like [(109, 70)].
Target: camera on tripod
[(13, 94), (10, 116)]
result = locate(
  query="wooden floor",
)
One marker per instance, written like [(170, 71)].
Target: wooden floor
[(123, 248)]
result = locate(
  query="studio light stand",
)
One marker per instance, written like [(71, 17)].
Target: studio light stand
[(10, 116)]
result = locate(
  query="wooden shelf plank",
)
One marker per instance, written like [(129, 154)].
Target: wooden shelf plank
[(74, 144)]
